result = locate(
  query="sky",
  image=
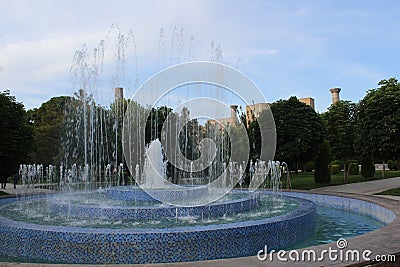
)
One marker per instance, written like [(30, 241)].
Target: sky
[(288, 48)]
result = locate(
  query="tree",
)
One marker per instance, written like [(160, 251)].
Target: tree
[(16, 134), (340, 123), (254, 134), (379, 122), (299, 130), (367, 167), (322, 174), (48, 122)]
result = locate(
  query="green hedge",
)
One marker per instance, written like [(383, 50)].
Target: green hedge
[(321, 174), (367, 168), (394, 165), (335, 169), (309, 166), (353, 168)]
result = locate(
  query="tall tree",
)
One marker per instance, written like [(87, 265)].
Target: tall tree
[(340, 123), (16, 135), (48, 122), (299, 130), (379, 121), (254, 134)]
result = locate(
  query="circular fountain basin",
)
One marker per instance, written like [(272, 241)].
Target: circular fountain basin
[(156, 211), (127, 193), (151, 245)]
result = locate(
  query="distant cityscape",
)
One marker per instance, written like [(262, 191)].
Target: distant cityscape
[(253, 111)]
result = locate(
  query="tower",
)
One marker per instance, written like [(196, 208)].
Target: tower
[(335, 94), (119, 93), (233, 113)]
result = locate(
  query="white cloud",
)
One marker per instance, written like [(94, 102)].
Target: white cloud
[(281, 44)]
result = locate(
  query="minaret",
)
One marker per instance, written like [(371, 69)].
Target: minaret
[(119, 93), (335, 94), (233, 113)]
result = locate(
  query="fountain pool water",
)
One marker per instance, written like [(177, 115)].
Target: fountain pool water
[(124, 224), (90, 227), (74, 228)]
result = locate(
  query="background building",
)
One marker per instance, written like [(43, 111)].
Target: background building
[(308, 101), (226, 121), (254, 111)]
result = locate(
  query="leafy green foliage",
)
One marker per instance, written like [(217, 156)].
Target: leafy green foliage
[(299, 129), (254, 134), (48, 122), (309, 166), (367, 167), (391, 192), (353, 168), (322, 174), (335, 169), (16, 133), (394, 164), (340, 123), (379, 121)]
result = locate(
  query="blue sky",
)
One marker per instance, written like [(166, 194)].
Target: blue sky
[(300, 48)]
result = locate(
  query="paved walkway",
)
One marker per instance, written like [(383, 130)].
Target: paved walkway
[(363, 188)]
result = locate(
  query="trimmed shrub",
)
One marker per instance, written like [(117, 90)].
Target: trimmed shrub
[(336, 162), (335, 169), (353, 167), (309, 166), (394, 165), (322, 174), (367, 168)]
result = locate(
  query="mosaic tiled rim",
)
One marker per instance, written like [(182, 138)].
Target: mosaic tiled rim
[(174, 195), (363, 207), (250, 201), (89, 245)]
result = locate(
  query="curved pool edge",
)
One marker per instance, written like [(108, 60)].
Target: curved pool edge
[(352, 204), (173, 195), (227, 207), (383, 241), (72, 244)]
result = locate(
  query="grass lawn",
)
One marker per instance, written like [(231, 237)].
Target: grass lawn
[(305, 181), (393, 192), (2, 193)]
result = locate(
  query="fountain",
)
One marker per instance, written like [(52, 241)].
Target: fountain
[(95, 226), (92, 227), (178, 204), (146, 182)]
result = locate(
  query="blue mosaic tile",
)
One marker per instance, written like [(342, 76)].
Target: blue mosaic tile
[(86, 245), (366, 208), (216, 209), (94, 246)]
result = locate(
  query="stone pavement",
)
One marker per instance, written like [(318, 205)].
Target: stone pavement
[(363, 188)]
